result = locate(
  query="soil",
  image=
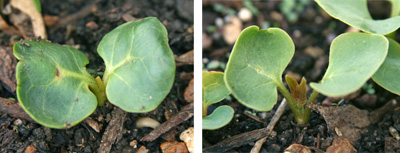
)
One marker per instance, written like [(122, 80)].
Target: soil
[(85, 31), (312, 34)]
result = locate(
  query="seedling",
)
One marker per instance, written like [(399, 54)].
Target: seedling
[(259, 57), (355, 13), (214, 90), (55, 89)]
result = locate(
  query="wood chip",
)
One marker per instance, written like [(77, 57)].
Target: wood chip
[(173, 147), (185, 114), (341, 145), (189, 92), (31, 149), (142, 149), (185, 59)]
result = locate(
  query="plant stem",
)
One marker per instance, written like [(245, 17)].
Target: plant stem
[(98, 90), (313, 97), (204, 110)]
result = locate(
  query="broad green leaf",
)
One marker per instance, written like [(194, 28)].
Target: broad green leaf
[(388, 74), (256, 65), (395, 8), (140, 67), (53, 85), (219, 118), (214, 89), (356, 14), (353, 59)]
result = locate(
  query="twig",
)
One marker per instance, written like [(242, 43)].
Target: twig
[(239, 140), (113, 131), (92, 7), (270, 126), (183, 115), (258, 119), (14, 109)]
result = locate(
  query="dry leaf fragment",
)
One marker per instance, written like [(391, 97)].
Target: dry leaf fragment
[(93, 124), (28, 8)]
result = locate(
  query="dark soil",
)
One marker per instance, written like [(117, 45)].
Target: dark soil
[(314, 28), (177, 16)]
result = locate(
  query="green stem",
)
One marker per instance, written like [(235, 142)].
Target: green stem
[(313, 97), (301, 114), (99, 91), (391, 35), (204, 110)]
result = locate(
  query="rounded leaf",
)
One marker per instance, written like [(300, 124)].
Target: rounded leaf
[(355, 13), (256, 64), (53, 85), (214, 89), (140, 67), (219, 118), (387, 75), (353, 59)]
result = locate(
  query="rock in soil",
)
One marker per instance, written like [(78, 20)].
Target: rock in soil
[(173, 147), (188, 137), (297, 148)]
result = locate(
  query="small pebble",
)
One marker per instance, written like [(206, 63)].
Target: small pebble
[(92, 25), (18, 122), (133, 143), (245, 14)]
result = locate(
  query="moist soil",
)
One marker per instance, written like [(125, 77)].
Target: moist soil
[(177, 16), (314, 28)]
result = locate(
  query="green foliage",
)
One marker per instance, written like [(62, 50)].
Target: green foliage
[(139, 65), (353, 59), (298, 91), (356, 14), (214, 90), (219, 118), (293, 8), (256, 65), (388, 74), (53, 85), (395, 8), (55, 89)]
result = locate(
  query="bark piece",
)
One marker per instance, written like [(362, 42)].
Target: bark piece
[(14, 109), (113, 131), (7, 69)]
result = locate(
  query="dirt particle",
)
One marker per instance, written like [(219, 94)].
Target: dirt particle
[(76, 100), (22, 42), (31, 149), (57, 72)]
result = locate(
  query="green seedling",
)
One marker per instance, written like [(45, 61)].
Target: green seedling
[(55, 89), (259, 57), (355, 13), (214, 90)]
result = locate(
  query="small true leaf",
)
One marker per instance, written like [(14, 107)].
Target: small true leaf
[(256, 65), (388, 74), (140, 67), (353, 59), (298, 91), (356, 14), (214, 89), (219, 118), (53, 85)]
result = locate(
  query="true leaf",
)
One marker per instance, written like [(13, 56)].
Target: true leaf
[(356, 14), (140, 67), (214, 89), (256, 65), (353, 59), (298, 91), (53, 85), (388, 74), (219, 118)]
